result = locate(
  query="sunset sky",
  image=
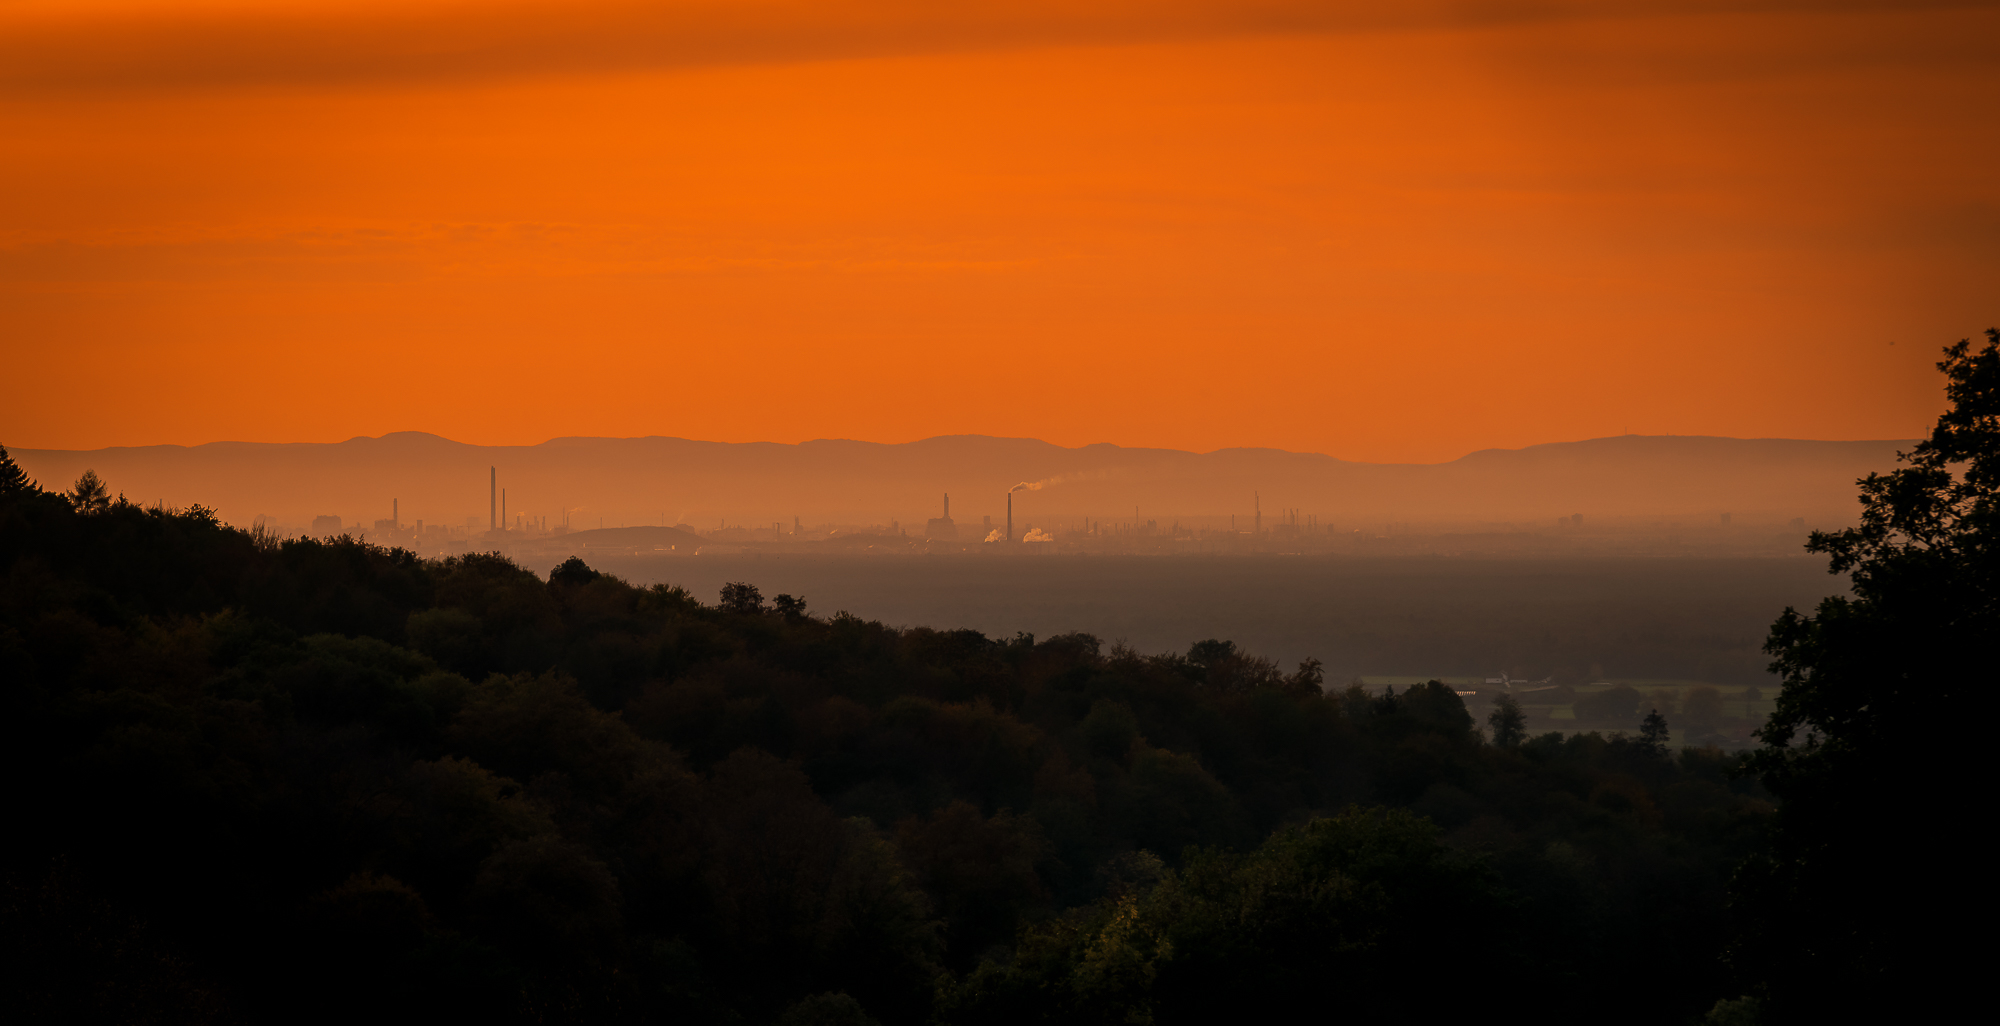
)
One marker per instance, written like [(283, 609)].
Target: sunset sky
[(1309, 226)]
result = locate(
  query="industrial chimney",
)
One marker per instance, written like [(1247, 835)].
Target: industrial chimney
[(941, 528), (1010, 516), (492, 498)]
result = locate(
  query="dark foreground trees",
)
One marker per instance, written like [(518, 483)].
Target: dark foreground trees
[(1509, 723), (1365, 895), (1850, 913), (307, 781)]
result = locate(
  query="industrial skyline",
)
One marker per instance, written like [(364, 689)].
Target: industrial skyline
[(821, 488)]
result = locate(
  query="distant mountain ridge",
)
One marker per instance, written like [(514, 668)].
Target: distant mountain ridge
[(662, 481)]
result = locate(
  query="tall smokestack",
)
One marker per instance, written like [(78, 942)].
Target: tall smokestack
[(503, 506), (492, 498), (947, 505), (1010, 516), (395, 512)]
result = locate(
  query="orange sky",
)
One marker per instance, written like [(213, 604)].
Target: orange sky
[(1195, 225)]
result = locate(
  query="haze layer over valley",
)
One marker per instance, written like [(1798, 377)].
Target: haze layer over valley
[(836, 485), (1544, 562)]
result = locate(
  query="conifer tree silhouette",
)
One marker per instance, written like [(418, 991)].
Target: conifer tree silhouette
[(13, 480), (1653, 731), (89, 495)]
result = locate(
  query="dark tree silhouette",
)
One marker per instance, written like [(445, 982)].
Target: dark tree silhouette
[(792, 608), (1211, 652), (573, 572), (1653, 731), (13, 479), (1853, 749), (1510, 724), (738, 597), (89, 494), (1309, 680)]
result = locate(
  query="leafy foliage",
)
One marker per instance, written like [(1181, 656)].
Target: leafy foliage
[(1852, 748), (1352, 903)]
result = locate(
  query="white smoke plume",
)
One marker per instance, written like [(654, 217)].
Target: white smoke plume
[(1082, 475), (994, 535), (1038, 535)]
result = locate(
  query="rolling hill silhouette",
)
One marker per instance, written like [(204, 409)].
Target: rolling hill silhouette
[(663, 481)]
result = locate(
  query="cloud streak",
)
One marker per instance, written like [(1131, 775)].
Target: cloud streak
[(47, 48)]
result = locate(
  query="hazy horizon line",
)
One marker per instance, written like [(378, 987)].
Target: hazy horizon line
[(945, 437)]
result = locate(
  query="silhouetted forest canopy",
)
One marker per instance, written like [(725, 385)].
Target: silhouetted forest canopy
[(302, 779), (313, 780)]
